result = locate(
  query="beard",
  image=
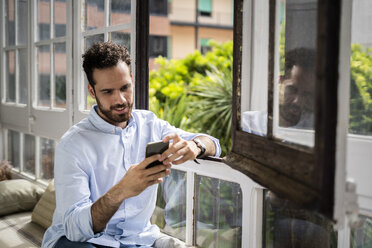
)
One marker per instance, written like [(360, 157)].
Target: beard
[(113, 118), (290, 114)]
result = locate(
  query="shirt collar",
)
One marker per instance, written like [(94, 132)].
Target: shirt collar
[(103, 125)]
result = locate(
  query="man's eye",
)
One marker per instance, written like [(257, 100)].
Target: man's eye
[(125, 87), (106, 92)]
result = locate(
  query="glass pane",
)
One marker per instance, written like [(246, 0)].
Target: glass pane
[(170, 211), (10, 77), (121, 38), (13, 148), (9, 23), (218, 213), (29, 154), (43, 88), (254, 96), (287, 225), (90, 40), (60, 70), (362, 237), (22, 18), (94, 14), (23, 76), (60, 17), (47, 158), (295, 88), (360, 121), (43, 19), (120, 12)]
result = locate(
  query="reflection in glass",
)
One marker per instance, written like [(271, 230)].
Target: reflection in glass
[(10, 23), (43, 19), (22, 17), (94, 14), (60, 15), (287, 225), (60, 70), (120, 12), (23, 76), (47, 158), (43, 86), (10, 76), (90, 40), (360, 121), (170, 211), (29, 154), (362, 237), (218, 213), (121, 38), (13, 148)]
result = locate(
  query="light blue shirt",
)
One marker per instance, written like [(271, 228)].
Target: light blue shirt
[(90, 158)]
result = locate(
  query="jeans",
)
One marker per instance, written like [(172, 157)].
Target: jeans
[(63, 242)]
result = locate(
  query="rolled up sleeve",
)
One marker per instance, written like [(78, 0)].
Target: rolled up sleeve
[(73, 196)]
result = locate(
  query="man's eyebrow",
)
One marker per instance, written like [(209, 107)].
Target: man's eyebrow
[(106, 89)]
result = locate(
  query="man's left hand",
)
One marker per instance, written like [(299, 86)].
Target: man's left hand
[(179, 151)]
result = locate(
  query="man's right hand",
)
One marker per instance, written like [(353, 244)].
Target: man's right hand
[(138, 178)]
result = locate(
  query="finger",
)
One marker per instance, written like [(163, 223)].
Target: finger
[(174, 136), (156, 169), (148, 161), (182, 160), (179, 153), (173, 148), (158, 175)]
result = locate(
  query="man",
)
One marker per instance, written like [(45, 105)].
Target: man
[(296, 95), (105, 196)]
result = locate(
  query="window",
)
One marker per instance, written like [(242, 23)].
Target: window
[(158, 46), (204, 48), (159, 7), (205, 7), (300, 160)]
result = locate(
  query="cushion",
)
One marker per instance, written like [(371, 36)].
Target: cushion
[(44, 209), (18, 195)]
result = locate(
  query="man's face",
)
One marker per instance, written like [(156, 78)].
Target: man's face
[(298, 97), (113, 92)]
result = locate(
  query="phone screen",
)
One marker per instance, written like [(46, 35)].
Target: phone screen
[(153, 148)]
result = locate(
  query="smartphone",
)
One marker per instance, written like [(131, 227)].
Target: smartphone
[(153, 148)]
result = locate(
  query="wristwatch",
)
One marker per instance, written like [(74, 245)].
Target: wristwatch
[(201, 146)]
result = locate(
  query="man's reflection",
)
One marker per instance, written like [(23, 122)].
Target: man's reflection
[(296, 108), (296, 95)]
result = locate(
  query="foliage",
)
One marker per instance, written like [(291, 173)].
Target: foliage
[(179, 89), (361, 90)]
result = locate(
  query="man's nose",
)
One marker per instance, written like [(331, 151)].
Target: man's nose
[(120, 98)]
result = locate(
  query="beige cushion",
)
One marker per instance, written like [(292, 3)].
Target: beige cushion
[(44, 209), (18, 195)]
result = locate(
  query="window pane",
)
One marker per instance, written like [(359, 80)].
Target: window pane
[(43, 58), (218, 213), (159, 7), (158, 46), (362, 237), (121, 38), (10, 76), (60, 17), (29, 154), (60, 70), (22, 17), (23, 76), (94, 14), (90, 40), (294, 110), (170, 211), (13, 148), (43, 19), (9, 23), (120, 12), (286, 225), (361, 63), (47, 158)]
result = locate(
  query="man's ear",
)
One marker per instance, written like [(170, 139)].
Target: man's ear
[(91, 91)]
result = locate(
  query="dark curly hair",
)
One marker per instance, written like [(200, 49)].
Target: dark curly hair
[(302, 57), (103, 55)]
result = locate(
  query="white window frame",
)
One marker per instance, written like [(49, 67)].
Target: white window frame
[(78, 38), (252, 198)]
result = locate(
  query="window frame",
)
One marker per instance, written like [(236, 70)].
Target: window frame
[(303, 175)]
